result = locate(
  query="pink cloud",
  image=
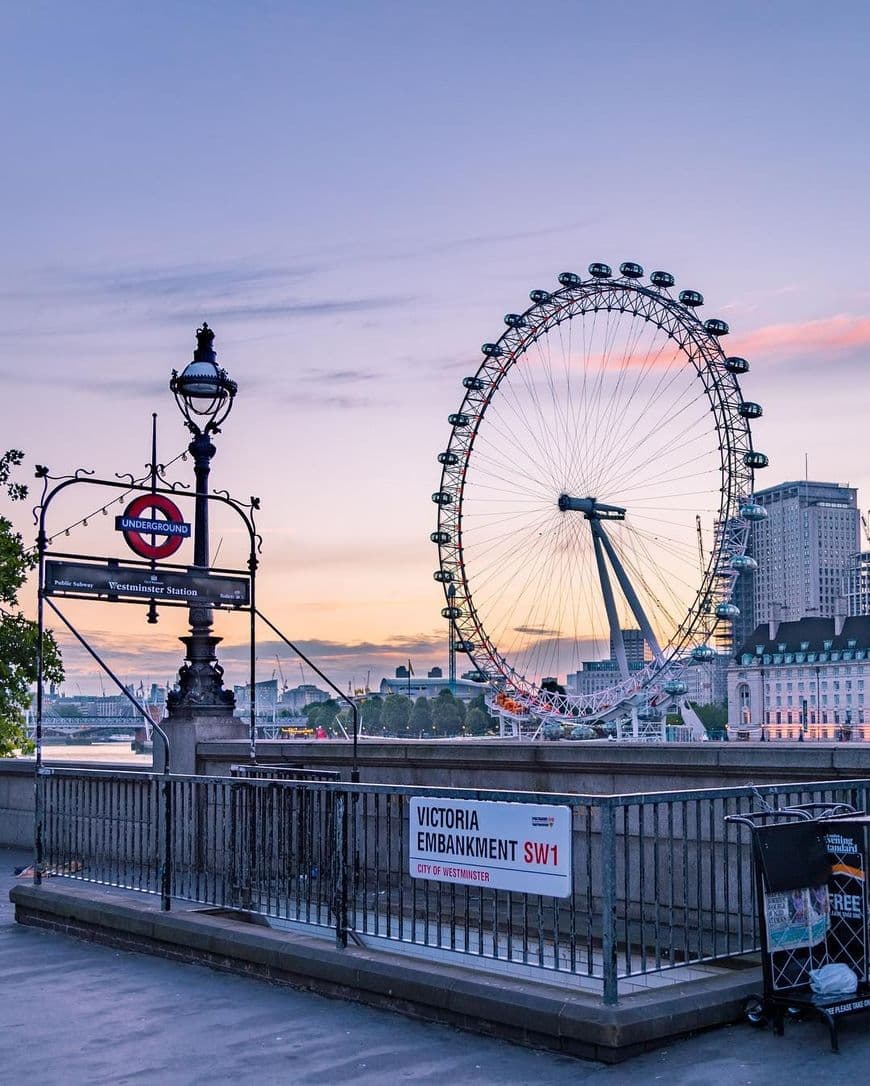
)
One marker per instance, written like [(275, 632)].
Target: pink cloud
[(828, 335)]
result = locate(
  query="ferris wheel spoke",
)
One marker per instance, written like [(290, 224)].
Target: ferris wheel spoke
[(519, 616), (629, 434), (652, 424), (552, 409), (495, 557), (604, 415), (656, 585), (681, 443), (607, 416), (514, 419), (487, 453), (538, 434)]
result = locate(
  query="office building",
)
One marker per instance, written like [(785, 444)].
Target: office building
[(803, 548), (856, 584)]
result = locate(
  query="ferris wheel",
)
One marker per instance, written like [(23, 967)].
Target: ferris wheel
[(596, 494)]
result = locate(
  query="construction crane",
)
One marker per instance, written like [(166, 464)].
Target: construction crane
[(700, 541), (281, 673), (866, 528)]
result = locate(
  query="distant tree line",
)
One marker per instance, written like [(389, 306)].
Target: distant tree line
[(399, 717)]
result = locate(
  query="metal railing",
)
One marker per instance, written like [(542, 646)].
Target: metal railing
[(283, 772), (659, 880)]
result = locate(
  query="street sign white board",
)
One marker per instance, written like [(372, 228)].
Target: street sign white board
[(524, 847)]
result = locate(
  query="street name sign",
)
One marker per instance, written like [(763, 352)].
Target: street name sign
[(504, 846), (114, 582)]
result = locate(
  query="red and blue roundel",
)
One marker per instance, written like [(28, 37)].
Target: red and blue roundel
[(136, 526)]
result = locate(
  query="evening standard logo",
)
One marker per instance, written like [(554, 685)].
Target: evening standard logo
[(835, 842), (543, 820)]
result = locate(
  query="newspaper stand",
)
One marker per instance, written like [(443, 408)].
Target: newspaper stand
[(792, 871)]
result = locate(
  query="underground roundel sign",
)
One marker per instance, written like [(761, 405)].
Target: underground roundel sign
[(147, 517)]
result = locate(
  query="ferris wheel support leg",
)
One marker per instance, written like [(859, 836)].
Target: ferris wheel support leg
[(631, 596), (609, 602), (635, 723), (690, 717)]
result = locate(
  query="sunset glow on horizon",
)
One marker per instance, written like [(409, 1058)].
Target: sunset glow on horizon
[(353, 201)]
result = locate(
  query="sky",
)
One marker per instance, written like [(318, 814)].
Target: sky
[(352, 195)]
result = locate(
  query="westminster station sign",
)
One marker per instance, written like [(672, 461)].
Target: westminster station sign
[(114, 582)]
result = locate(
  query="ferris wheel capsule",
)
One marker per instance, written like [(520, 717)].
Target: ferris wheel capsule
[(515, 320), (459, 419), (540, 297), (444, 576), (600, 271), (750, 410), (475, 384), (674, 687), (753, 511), (716, 327), (736, 365), (744, 563), (702, 653), (464, 646), (755, 459), (492, 350), (691, 298), (448, 458), (440, 537), (662, 279), (570, 279), (727, 610), (631, 270)]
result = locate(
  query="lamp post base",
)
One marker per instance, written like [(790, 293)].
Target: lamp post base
[(200, 691), (184, 735)]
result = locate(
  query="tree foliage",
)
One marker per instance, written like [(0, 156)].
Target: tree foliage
[(714, 717), (396, 714), (447, 717), (18, 635), (421, 719), (477, 722)]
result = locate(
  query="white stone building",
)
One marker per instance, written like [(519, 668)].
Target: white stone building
[(811, 676), (415, 687)]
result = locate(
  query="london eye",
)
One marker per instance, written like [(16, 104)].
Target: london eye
[(596, 495)]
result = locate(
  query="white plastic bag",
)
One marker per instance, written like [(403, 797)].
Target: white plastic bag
[(834, 979)]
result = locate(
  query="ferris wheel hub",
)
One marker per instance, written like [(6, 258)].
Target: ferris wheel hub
[(591, 508)]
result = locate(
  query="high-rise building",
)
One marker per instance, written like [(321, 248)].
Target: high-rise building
[(856, 584), (595, 675), (635, 647), (803, 549)]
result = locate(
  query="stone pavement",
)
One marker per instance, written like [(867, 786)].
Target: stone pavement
[(73, 1012)]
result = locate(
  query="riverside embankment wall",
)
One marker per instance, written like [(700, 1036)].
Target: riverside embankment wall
[(597, 768)]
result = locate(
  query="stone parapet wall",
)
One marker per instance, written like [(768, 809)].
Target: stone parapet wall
[(596, 768)]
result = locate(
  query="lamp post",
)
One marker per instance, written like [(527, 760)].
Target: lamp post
[(204, 394)]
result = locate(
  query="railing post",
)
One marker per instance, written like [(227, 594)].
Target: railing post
[(38, 820), (339, 868), (166, 866), (608, 902)]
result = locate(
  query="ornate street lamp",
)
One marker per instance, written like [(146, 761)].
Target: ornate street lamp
[(204, 394)]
